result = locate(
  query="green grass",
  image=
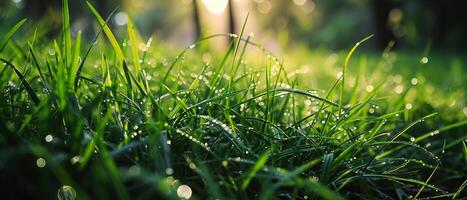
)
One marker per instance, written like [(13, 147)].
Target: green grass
[(97, 123)]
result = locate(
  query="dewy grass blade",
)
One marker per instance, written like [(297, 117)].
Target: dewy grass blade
[(116, 47), (134, 46), (83, 60), (10, 34), (346, 62), (258, 165), (74, 62), (32, 94), (66, 34), (108, 33)]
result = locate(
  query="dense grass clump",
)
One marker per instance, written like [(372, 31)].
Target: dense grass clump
[(106, 119)]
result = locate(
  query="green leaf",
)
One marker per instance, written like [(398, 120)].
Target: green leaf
[(66, 33), (258, 165), (74, 62), (10, 34), (134, 45), (108, 33)]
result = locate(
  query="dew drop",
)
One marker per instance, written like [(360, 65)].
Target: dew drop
[(66, 192), (49, 138), (40, 162), (75, 159), (424, 60), (408, 106), (184, 191), (169, 171)]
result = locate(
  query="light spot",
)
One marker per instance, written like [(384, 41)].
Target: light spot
[(371, 110), (424, 60), (75, 159), (184, 191), (308, 102), (399, 89), (299, 2), (192, 166), (49, 138), (395, 15), (40, 162), (169, 171), (216, 7), (121, 18), (408, 106), (51, 52), (412, 139), (66, 192), (369, 88), (339, 74), (264, 7), (225, 163), (465, 111), (414, 81)]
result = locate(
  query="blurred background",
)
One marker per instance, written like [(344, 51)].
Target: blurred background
[(277, 24)]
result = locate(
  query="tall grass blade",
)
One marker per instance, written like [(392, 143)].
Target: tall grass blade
[(10, 34)]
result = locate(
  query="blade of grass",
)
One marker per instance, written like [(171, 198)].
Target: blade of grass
[(258, 165), (134, 46), (83, 60), (74, 62), (346, 62), (10, 34), (66, 34), (32, 94)]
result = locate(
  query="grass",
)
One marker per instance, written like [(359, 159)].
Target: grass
[(119, 122)]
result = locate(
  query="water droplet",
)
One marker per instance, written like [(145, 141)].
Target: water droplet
[(169, 171), (412, 139), (424, 60), (49, 138), (66, 192), (51, 52), (75, 159), (184, 191), (408, 106), (121, 18), (40, 162), (399, 89)]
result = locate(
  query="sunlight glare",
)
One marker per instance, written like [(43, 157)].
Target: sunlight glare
[(216, 7)]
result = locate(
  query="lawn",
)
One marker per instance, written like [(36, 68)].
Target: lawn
[(111, 119)]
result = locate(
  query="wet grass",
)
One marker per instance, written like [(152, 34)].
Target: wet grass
[(117, 119)]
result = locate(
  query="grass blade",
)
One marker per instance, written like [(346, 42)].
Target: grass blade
[(10, 34), (26, 84)]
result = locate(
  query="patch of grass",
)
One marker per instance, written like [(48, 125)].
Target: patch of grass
[(103, 125)]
